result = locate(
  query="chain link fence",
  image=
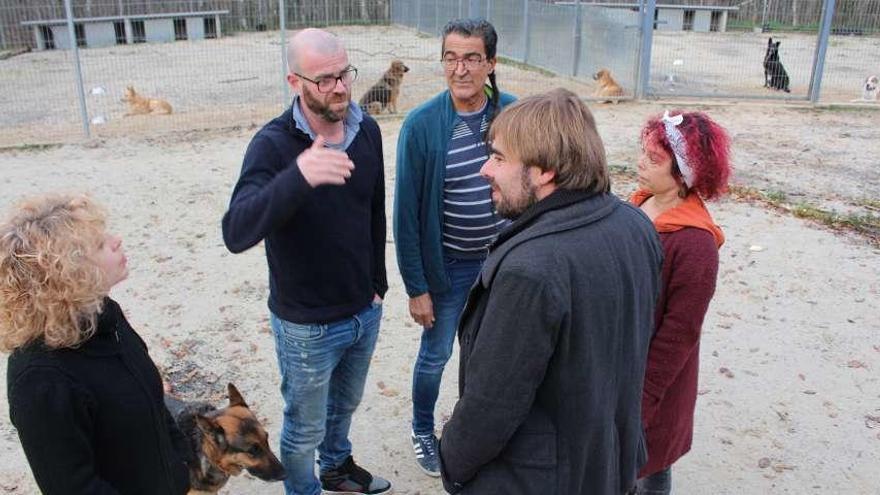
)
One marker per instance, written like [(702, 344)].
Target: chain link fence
[(221, 63)]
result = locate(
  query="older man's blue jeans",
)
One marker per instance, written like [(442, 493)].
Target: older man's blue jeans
[(437, 341), (323, 370)]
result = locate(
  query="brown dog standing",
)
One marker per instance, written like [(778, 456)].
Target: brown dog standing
[(607, 86), (141, 105), (223, 442), (386, 91)]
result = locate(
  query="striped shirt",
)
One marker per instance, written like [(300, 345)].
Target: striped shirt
[(469, 219)]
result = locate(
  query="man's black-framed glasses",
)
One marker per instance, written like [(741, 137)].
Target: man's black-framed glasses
[(469, 62), (326, 84)]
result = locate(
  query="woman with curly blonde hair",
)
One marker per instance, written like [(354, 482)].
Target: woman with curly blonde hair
[(84, 395)]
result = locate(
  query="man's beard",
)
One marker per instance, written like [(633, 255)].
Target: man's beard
[(323, 109), (512, 209)]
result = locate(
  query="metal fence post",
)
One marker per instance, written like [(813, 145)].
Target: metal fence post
[(474, 8), (577, 38), (71, 31), (282, 22), (489, 10), (437, 25), (821, 48), (418, 16), (526, 35), (649, 7)]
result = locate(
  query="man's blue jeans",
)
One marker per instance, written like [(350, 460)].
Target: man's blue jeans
[(438, 340), (323, 370)]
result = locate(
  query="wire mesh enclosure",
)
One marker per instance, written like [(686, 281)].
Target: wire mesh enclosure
[(221, 62)]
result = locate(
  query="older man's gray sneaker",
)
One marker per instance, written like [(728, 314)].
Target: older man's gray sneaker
[(349, 478)]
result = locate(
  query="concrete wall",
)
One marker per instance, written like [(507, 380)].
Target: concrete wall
[(38, 38), (702, 19), (195, 28), (669, 19), (62, 42), (159, 30), (100, 34)]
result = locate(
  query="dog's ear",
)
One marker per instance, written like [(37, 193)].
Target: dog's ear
[(235, 398), (212, 430), (769, 41)]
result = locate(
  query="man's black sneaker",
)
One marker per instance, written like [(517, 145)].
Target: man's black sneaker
[(349, 478)]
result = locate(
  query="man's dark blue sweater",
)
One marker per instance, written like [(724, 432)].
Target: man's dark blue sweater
[(325, 245)]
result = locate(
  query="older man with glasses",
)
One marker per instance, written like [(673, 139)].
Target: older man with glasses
[(443, 212), (312, 187)]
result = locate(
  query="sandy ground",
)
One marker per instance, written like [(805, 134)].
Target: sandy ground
[(789, 392), (236, 80)]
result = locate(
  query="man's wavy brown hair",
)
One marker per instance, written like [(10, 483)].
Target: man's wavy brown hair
[(556, 131), (50, 290)]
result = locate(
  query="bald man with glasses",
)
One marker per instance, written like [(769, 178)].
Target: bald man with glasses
[(312, 187)]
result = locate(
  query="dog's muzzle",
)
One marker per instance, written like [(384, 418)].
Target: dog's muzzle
[(274, 471)]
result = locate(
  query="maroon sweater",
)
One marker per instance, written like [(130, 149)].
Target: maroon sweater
[(690, 266), (690, 242)]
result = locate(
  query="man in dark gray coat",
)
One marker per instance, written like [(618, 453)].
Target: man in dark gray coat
[(555, 333)]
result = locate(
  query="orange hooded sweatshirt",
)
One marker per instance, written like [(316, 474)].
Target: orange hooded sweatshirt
[(690, 213)]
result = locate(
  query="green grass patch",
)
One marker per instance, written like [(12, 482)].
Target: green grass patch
[(846, 108), (865, 224), (29, 147), (870, 203), (776, 196), (775, 26), (520, 65)]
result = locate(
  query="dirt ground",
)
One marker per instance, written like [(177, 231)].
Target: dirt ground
[(236, 80), (789, 388)]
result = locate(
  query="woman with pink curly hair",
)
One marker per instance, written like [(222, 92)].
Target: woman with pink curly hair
[(85, 397), (684, 160)]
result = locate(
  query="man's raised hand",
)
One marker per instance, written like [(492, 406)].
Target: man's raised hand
[(320, 165)]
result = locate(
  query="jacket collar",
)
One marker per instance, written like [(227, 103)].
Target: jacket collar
[(560, 211), (105, 341)]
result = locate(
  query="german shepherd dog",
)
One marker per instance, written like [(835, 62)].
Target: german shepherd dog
[(775, 75), (606, 85), (223, 442), (386, 91), (141, 105)]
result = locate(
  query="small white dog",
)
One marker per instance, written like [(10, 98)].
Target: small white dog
[(871, 88)]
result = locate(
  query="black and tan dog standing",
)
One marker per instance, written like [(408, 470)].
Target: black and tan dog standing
[(223, 442), (386, 91)]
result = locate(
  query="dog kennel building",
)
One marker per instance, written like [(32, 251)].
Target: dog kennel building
[(700, 18), (123, 30)]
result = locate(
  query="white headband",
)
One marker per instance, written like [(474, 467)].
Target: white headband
[(679, 146)]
